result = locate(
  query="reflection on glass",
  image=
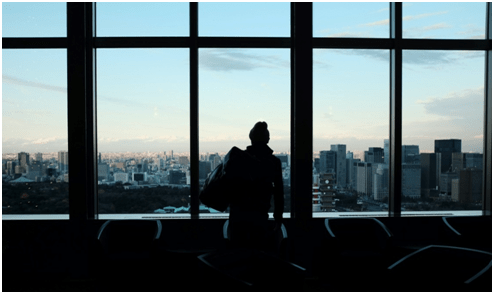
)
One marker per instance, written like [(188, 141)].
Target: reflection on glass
[(350, 130), (34, 132), (143, 19), (351, 20), (237, 88), (459, 20), (143, 130), (244, 19), (31, 19), (443, 103)]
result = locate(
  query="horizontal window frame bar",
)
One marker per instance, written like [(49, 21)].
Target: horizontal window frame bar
[(407, 44), (244, 42), (142, 42), (249, 42), (35, 43), (435, 44), (186, 42)]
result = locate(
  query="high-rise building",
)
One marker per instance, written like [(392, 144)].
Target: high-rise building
[(446, 148), (410, 184), (317, 165), (410, 154), (204, 169), (176, 177), (430, 175), (63, 161), (340, 150), (38, 156), (103, 171), (353, 174), (364, 178), (475, 160), (465, 160), (386, 151), (283, 158), (380, 185), (23, 159), (349, 165), (11, 167), (183, 160), (374, 155), (327, 163), (467, 188), (445, 185)]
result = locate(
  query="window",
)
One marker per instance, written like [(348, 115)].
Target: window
[(351, 128), (34, 132), (442, 152), (143, 130), (237, 88), (162, 73), (31, 19)]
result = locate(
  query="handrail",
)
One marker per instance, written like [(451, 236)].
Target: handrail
[(449, 226)]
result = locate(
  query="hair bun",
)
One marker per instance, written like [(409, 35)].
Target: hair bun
[(259, 132)]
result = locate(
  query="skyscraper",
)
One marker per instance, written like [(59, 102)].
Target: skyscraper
[(410, 184), (340, 150), (410, 154), (327, 161), (467, 188), (38, 156), (374, 155), (430, 175), (23, 158), (386, 151), (364, 178), (381, 180), (63, 161), (446, 148)]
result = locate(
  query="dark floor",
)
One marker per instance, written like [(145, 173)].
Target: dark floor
[(56, 256)]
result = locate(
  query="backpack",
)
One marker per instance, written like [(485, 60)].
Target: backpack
[(236, 168)]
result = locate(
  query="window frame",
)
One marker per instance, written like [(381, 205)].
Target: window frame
[(81, 44)]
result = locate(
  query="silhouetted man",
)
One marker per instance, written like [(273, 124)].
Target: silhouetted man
[(250, 204)]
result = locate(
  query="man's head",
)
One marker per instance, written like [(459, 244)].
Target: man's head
[(259, 133)]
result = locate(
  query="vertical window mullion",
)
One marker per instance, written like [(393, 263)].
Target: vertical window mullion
[(91, 124), (487, 176), (301, 135), (78, 133), (194, 112), (395, 123)]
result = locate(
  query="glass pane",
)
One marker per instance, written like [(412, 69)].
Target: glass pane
[(237, 88), (352, 20), (350, 130), (29, 19), (459, 20), (142, 19), (143, 130), (244, 19), (443, 104), (34, 132)]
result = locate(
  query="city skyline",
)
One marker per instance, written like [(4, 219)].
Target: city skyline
[(143, 98)]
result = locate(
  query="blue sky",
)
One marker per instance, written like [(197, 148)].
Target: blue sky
[(143, 97)]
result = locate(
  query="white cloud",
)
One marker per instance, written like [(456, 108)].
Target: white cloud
[(436, 27), (383, 22), (419, 16), (21, 82), (236, 59)]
